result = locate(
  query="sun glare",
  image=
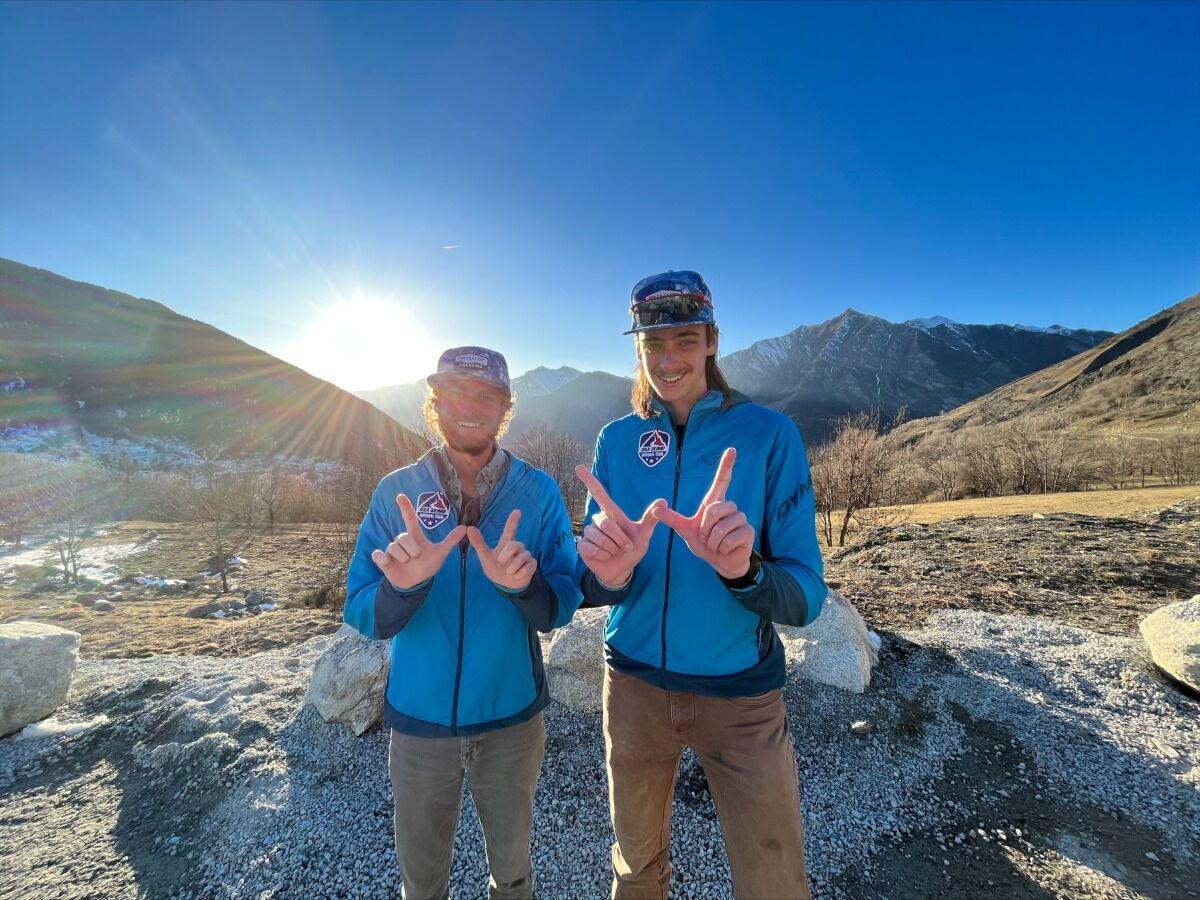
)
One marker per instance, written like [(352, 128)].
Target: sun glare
[(361, 344)]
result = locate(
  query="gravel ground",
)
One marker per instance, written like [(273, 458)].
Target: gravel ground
[(1011, 756)]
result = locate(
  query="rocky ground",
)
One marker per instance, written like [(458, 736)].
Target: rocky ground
[(1022, 746)]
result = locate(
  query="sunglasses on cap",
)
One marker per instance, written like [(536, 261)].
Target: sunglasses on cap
[(666, 312)]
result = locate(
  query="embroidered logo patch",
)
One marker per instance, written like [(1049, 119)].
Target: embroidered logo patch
[(471, 360), (433, 509), (653, 446)]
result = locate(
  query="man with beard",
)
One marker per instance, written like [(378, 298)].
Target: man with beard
[(462, 558), (693, 660)]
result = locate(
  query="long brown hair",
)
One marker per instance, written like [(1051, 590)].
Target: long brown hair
[(643, 394)]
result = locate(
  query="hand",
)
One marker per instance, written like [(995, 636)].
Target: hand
[(612, 545), (717, 533), (509, 565), (412, 557)]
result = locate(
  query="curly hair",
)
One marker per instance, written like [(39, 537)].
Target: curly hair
[(432, 428)]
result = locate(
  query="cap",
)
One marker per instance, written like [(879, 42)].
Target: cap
[(670, 299), (479, 363)]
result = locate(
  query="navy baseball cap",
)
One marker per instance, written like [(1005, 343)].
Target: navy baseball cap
[(479, 363), (670, 299)]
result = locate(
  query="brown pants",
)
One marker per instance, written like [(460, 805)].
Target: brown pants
[(427, 777), (744, 746)]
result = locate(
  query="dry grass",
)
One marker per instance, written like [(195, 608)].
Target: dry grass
[(1093, 503)]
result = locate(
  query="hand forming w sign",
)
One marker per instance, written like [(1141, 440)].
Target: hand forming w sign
[(613, 543), (508, 564), (412, 557), (717, 532)]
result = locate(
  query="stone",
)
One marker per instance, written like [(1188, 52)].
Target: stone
[(1173, 634), (37, 662), (207, 609), (836, 649), (575, 661), (862, 726), (103, 606), (349, 680)]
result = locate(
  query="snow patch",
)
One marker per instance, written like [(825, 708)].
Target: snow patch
[(55, 728)]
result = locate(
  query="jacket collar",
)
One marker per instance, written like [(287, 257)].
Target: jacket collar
[(710, 401)]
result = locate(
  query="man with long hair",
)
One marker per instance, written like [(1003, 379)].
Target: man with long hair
[(462, 558), (692, 657)]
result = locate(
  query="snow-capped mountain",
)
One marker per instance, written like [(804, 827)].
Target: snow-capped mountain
[(541, 381), (855, 361)]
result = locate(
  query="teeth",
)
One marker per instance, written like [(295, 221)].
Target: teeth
[(469, 424), (671, 379)]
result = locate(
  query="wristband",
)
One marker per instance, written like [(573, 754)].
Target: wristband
[(748, 580)]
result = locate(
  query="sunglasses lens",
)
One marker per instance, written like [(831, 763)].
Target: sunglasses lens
[(667, 311)]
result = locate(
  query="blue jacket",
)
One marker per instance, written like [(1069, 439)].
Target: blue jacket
[(677, 624), (465, 654)]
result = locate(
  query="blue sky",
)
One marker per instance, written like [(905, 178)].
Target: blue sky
[(293, 173)]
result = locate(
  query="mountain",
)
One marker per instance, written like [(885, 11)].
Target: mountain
[(541, 381), (855, 361), (581, 407), (1145, 379), (82, 365)]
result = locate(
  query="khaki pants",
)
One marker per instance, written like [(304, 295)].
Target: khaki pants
[(744, 746), (427, 777)]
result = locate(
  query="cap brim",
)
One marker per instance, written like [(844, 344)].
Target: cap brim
[(442, 377), (667, 325)]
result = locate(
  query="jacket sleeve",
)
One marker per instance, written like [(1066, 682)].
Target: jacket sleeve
[(594, 593), (792, 587), (374, 607), (552, 595)]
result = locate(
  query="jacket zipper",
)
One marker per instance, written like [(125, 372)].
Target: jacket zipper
[(671, 543), (462, 607), (462, 624)]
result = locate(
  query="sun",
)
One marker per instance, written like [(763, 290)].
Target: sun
[(363, 343)]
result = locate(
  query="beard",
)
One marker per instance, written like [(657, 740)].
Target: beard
[(471, 442)]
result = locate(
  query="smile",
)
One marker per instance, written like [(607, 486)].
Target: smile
[(468, 424), (671, 379)]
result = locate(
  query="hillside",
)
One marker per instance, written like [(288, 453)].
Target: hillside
[(82, 366), (855, 361), (1144, 380), (581, 407)]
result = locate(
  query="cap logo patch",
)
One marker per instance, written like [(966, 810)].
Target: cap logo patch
[(653, 446), (471, 361), (432, 509)]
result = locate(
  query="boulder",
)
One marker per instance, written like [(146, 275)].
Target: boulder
[(1173, 635), (836, 649), (349, 680), (37, 662), (102, 605), (575, 661)]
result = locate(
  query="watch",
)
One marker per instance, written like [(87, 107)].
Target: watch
[(750, 579)]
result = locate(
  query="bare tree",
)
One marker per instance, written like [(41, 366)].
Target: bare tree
[(557, 454), (214, 501), (1117, 459), (850, 474), (941, 462), (984, 468), (1179, 458), (268, 488)]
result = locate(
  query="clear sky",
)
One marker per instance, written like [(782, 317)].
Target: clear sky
[(355, 187)]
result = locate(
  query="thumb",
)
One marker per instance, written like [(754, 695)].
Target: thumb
[(476, 538), (670, 517), (650, 517), (451, 540)]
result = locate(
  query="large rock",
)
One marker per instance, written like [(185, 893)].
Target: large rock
[(575, 661), (349, 680), (37, 662), (1173, 634), (836, 649)]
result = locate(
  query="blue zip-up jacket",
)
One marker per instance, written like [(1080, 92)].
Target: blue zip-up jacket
[(677, 625), (465, 654)]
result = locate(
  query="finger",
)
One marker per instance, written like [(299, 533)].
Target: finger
[(615, 533), (510, 527), (739, 539), (590, 553), (477, 541), (507, 551), (526, 571), (599, 539), (645, 525), (408, 513), (398, 553), (518, 562), (723, 528), (722, 478), (596, 489), (381, 559), (672, 519), (714, 513), (446, 544), (410, 544)]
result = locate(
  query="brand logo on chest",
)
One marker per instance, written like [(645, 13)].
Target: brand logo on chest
[(653, 446), (432, 509)]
